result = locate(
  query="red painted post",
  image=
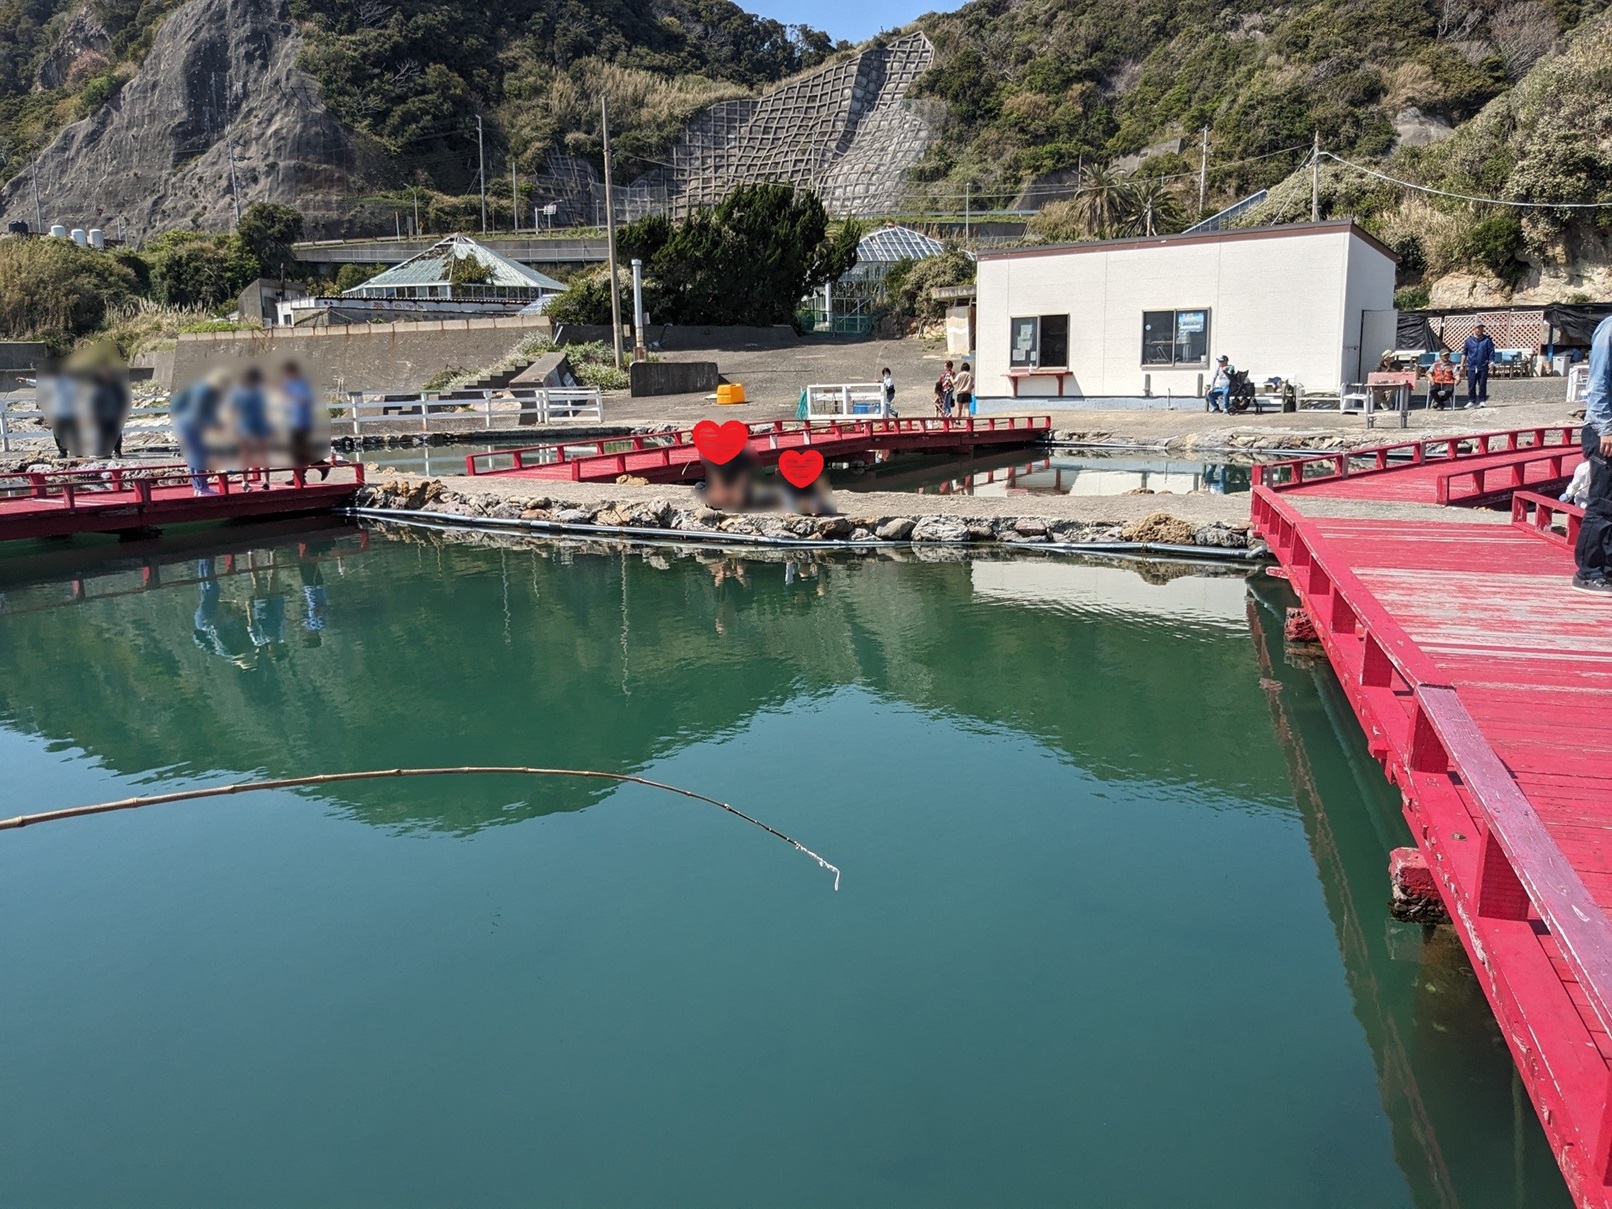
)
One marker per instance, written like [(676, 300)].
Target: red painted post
[(1427, 752), (1500, 893)]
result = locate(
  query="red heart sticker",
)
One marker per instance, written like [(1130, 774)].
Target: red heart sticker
[(721, 443), (800, 466)]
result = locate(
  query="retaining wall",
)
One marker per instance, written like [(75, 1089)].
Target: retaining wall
[(370, 356), (672, 377)]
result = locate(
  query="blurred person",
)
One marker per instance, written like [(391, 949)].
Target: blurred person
[(301, 421), (887, 390), (729, 487), (193, 412), (813, 499), (59, 400), (108, 410), (250, 407), (948, 390), (212, 630)]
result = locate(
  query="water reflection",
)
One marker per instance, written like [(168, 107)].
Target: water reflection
[(1464, 1132), (1083, 916), (1085, 472)]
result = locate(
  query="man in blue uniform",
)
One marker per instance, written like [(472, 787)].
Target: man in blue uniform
[(1594, 550), (1478, 354)]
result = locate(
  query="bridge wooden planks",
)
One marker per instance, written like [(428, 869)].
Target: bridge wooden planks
[(1491, 610)]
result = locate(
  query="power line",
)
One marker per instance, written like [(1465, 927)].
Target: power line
[(1483, 201)]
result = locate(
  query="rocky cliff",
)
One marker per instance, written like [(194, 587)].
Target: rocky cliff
[(220, 82)]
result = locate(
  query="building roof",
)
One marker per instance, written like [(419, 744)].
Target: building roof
[(1280, 231), (431, 267), (891, 243)]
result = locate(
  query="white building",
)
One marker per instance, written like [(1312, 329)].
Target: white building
[(1141, 321)]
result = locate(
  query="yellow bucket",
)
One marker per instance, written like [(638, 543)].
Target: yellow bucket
[(730, 392)]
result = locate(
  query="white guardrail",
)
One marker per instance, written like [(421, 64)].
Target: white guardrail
[(531, 405), (832, 401), (522, 406)]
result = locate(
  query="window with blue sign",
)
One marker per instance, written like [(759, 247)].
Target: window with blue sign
[(1177, 338)]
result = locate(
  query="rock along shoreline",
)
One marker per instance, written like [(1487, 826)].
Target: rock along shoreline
[(655, 516)]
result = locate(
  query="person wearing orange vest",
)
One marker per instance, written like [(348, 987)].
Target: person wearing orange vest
[(1441, 381)]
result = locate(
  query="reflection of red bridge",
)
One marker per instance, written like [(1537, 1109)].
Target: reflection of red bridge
[(58, 503), (671, 456), (1484, 686)]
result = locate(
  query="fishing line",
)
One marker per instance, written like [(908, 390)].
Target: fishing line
[(375, 774)]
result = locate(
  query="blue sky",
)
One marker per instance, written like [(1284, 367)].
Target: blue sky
[(852, 20)]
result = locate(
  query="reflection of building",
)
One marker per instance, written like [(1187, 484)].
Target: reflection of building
[(455, 278), (1135, 320), (847, 306), (1217, 600)]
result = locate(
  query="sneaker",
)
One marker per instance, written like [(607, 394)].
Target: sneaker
[(1598, 585)]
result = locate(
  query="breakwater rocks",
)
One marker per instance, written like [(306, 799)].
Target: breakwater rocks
[(688, 518)]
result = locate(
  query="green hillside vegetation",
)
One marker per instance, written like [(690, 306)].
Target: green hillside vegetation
[(1547, 139), (1043, 86)]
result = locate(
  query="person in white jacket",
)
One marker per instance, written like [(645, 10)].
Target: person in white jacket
[(1219, 395)]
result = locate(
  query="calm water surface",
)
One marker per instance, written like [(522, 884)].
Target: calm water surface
[(1111, 930)]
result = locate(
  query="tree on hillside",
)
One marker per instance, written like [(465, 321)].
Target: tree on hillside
[(748, 260), (189, 268), (267, 231)]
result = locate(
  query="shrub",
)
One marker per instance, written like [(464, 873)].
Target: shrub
[(1496, 243), (54, 290)]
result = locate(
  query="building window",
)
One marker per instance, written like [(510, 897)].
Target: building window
[(1039, 341), (1178, 338)]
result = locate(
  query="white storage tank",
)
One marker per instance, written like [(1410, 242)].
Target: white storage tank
[(97, 238), (57, 231)]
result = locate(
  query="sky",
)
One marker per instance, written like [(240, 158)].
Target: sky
[(852, 20)]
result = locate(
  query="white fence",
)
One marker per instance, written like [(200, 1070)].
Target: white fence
[(523, 405), (24, 426), (846, 399), (22, 422)]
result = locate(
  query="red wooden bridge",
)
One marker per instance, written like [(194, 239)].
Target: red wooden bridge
[(670, 456), (59, 503), (1484, 686)]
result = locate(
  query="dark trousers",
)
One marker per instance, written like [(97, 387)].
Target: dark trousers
[(1594, 549), (1439, 395), (1477, 384), (65, 430)]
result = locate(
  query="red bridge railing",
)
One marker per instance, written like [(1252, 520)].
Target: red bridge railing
[(1297, 472), (531, 456), (1418, 726), (72, 487), (1538, 514)]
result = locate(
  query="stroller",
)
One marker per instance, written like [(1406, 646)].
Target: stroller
[(1240, 395)]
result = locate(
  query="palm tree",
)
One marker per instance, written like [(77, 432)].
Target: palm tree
[(1102, 203), (1155, 208)]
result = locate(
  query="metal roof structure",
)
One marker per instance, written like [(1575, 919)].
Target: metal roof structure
[(430, 274), (891, 243)]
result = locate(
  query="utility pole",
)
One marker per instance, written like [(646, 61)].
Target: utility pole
[(1315, 179), (514, 197), (481, 172), (968, 200), (638, 352), (39, 213), (1203, 174), (610, 234), (234, 187), (416, 192)]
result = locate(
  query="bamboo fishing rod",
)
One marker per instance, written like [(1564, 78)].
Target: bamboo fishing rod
[(376, 774)]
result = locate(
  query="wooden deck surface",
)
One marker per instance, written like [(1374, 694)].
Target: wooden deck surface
[(1484, 684)]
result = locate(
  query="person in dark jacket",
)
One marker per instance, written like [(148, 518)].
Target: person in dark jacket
[(1593, 553), (109, 408), (1478, 355)]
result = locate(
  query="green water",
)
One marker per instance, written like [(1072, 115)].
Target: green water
[(1111, 930)]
